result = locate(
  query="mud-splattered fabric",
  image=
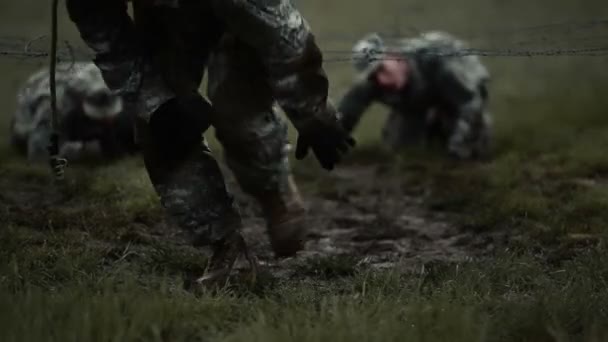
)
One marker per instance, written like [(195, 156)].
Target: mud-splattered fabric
[(88, 115), (446, 94)]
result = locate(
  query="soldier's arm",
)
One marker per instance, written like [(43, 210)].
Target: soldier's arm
[(469, 115), (464, 92), (40, 132), (106, 28), (283, 41), (354, 103)]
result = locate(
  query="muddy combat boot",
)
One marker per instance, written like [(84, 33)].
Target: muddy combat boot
[(225, 254), (286, 219)]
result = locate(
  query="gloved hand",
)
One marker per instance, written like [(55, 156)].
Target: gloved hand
[(325, 136)]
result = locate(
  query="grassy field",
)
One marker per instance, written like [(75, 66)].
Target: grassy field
[(93, 264)]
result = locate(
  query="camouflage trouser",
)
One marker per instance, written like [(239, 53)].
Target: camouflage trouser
[(252, 133), (403, 130), (184, 173), (32, 143), (253, 136), (180, 165)]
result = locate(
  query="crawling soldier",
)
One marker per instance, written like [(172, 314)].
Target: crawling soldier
[(434, 88), (91, 119)]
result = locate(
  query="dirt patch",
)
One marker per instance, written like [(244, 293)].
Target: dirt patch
[(366, 216), (360, 212)]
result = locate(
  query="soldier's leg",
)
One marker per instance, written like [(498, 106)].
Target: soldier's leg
[(16, 139), (182, 170), (484, 128), (37, 144), (38, 141), (126, 133), (482, 143), (404, 130), (109, 146), (475, 133), (255, 142), (186, 176), (30, 129)]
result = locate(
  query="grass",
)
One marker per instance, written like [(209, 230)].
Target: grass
[(95, 268), (91, 275), (84, 294), (546, 177)]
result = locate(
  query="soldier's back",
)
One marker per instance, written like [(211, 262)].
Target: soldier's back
[(31, 121), (438, 53), (33, 98)]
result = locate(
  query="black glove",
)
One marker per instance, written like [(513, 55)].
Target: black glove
[(326, 137)]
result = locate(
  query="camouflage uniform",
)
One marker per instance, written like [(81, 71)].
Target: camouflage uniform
[(263, 52), (445, 97), (88, 112)]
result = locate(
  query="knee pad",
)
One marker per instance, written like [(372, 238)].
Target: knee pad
[(179, 124)]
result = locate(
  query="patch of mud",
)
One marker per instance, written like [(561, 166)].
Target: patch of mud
[(361, 212), (367, 216)]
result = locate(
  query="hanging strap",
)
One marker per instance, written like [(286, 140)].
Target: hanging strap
[(57, 163)]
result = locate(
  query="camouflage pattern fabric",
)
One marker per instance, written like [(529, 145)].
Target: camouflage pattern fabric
[(446, 95), (157, 61), (251, 131), (91, 118)]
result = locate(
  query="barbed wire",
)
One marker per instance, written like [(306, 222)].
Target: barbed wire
[(587, 39), (561, 28), (69, 54), (22, 48)]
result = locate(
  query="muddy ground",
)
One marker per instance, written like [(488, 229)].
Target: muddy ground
[(368, 216), (360, 214)]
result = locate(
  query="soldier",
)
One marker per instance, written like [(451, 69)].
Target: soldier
[(264, 52), (89, 115), (434, 90)]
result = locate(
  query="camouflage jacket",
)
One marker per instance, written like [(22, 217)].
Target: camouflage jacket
[(162, 53), (74, 82), (87, 112), (442, 76)]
